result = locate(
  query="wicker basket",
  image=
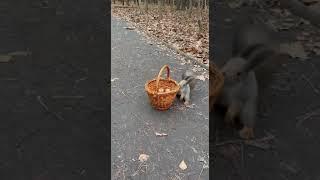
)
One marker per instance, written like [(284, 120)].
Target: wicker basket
[(162, 92), (216, 82)]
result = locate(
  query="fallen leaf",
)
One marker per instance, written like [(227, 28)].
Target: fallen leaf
[(235, 4), (183, 165), (143, 157), (161, 134), (201, 159), (227, 20), (317, 44), (295, 50), (305, 33), (5, 58), (301, 38), (113, 79), (201, 77), (130, 28), (316, 51), (19, 53)]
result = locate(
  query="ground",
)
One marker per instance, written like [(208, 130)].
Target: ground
[(136, 59), (289, 111), (69, 142)]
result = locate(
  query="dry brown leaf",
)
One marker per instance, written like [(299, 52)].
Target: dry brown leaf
[(316, 51), (235, 3), (295, 50), (301, 38), (130, 28), (161, 134), (201, 77), (113, 79), (5, 58), (183, 165), (143, 157), (19, 53), (317, 44)]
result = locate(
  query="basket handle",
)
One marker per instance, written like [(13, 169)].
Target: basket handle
[(160, 72)]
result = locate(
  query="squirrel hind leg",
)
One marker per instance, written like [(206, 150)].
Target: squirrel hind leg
[(187, 96), (246, 133), (247, 117), (231, 114)]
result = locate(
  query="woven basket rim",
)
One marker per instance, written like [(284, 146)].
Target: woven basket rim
[(175, 90)]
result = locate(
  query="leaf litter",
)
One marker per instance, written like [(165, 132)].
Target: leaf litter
[(171, 27)]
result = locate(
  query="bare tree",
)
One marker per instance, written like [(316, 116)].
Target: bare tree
[(146, 5), (190, 7)]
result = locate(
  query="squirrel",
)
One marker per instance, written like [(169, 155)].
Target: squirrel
[(187, 84), (239, 93)]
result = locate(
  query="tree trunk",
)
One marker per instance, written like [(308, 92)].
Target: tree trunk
[(190, 8), (146, 5), (172, 5), (179, 4), (184, 4)]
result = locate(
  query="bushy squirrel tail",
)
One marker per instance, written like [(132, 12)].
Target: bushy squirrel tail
[(255, 55)]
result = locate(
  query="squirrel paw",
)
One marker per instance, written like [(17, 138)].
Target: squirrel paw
[(229, 120), (187, 104), (246, 133)]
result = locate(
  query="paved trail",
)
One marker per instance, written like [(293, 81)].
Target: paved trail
[(134, 122)]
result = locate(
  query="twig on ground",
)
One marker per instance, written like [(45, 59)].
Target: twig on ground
[(47, 109), (8, 79), (238, 141), (242, 156), (200, 173), (42, 103), (311, 85), (23, 138), (254, 143), (139, 167), (81, 79), (67, 97), (306, 116)]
